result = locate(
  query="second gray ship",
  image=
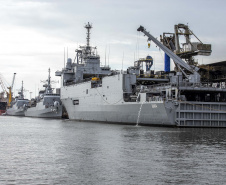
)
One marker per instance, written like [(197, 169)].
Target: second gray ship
[(47, 104)]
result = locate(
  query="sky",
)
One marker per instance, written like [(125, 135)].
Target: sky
[(34, 33)]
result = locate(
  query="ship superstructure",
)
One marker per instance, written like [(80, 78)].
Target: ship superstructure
[(19, 104), (47, 104), (93, 93)]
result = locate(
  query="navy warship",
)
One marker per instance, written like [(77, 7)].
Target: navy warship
[(18, 106), (92, 92), (47, 104)]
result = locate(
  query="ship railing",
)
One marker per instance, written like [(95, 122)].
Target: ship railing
[(220, 85), (105, 66), (68, 83), (79, 82), (162, 87), (50, 94), (159, 85), (65, 70)]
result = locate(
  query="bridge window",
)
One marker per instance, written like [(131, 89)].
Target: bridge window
[(75, 102)]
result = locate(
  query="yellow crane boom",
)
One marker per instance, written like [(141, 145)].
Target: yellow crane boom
[(8, 93)]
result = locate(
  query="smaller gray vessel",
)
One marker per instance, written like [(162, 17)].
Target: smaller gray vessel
[(18, 106), (47, 104)]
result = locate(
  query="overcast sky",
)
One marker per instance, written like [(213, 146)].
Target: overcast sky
[(34, 33)]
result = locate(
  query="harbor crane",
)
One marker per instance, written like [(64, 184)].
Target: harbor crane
[(11, 88), (189, 71), (189, 48), (8, 93)]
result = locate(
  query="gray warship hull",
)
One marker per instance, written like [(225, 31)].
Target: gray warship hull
[(44, 113), (156, 114), (124, 113), (45, 108), (15, 112)]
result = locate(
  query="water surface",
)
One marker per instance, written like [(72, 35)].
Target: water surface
[(45, 151)]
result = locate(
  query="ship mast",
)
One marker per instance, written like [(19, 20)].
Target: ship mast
[(88, 27), (22, 90), (49, 77), (21, 93), (84, 52), (49, 89)]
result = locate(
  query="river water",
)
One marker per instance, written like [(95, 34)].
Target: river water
[(45, 151)]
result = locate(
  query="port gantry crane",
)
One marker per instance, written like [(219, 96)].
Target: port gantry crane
[(8, 93), (189, 48), (189, 71)]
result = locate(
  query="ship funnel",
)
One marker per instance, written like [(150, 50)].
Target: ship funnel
[(69, 63)]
